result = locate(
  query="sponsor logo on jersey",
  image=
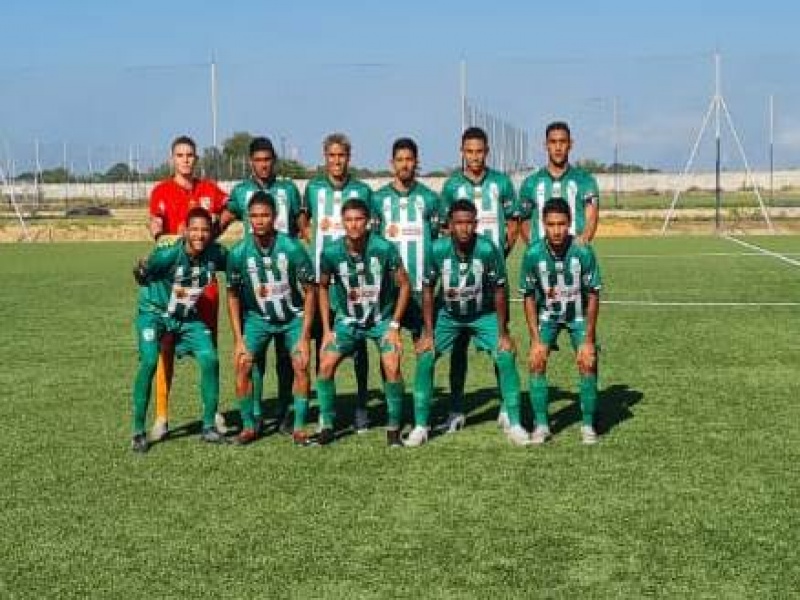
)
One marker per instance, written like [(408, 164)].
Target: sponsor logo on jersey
[(205, 202), (325, 224)]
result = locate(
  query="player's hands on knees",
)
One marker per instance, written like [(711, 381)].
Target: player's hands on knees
[(537, 356), (393, 337), (241, 357), (505, 343), (140, 271), (587, 357), (424, 344), (302, 353)]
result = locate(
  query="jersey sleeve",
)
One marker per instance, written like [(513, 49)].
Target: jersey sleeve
[(509, 199), (162, 258), (528, 276), (306, 202), (304, 270), (326, 264), (233, 272), (495, 265), (392, 258), (157, 206), (527, 198), (434, 213), (590, 272), (591, 194), (235, 203)]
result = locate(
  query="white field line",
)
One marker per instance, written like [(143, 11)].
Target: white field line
[(764, 251)]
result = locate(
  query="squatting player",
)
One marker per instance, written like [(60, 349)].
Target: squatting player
[(472, 298), (560, 280), (559, 179), (492, 193), (170, 202), (176, 276), (263, 177), (270, 293), (363, 279), (323, 199)]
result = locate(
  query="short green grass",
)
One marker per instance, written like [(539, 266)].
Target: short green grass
[(693, 490)]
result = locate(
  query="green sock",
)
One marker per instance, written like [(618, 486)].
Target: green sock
[(361, 369), (423, 388), (394, 403), (300, 411), (285, 375), (503, 408), (509, 385), (537, 385), (257, 375), (209, 386), (588, 394), (326, 395), (246, 404), (142, 386)]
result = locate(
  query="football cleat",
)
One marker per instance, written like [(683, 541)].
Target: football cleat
[(503, 422), (160, 430), (325, 436), (417, 437), (518, 436), (393, 438), (455, 422), (588, 435), (300, 438), (139, 443), (246, 436), (211, 435), (219, 423), (541, 433)]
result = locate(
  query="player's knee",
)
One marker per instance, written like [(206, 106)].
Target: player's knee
[(391, 366), (327, 366)]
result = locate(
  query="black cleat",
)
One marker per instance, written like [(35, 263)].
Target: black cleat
[(286, 425), (393, 438), (325, 436), (139, 443), (213, 436)]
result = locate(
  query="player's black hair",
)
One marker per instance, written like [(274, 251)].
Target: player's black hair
[(183, 139), (556, 205), (405, 143), (260, 144), (462, 206), (198, 212), (474, 133), (557, 126), (356, 204), (262, 197)]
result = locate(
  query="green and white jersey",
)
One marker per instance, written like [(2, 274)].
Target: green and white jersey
[(560, 284), (493, 196), (576, 186), (362, 287), (468, 283), (323, 203), (176, 280), (269, 280), (287, 202), (411, 221)]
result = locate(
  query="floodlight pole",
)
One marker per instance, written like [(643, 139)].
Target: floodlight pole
[(614, 109), (463, 95), (718, 146), (771, 150), (13, 197)]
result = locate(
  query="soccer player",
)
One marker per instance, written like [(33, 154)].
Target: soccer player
[(472, 300), (287, 218), (363, 279), (266, 272), (494, 198), (560, 280), (559, 179), (170, 202), (177, 275), (323, 199), (406, 212)]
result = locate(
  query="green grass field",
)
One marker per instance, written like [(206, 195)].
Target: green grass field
[(693, 490)]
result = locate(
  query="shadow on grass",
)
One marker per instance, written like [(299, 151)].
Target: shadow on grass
[(613, 407)]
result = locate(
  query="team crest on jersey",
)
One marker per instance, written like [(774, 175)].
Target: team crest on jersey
[(205, 202)]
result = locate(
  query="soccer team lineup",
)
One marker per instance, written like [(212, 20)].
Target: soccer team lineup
[(317, 276)]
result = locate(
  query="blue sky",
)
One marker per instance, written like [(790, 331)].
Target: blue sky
[(106, 77)]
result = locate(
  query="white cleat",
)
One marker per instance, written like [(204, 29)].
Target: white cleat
[(540, 435), (160, 430), (455, 422), (518, 436), (417, 437), (588, 435), (219, 423), (503, 422)]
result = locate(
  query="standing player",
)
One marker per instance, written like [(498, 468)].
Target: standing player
[(286, 219), (176, 275), (472, 300), (322, 207), (559, 179), (266, 272), (170, 202), (493, 195), (406, 212), (560, 280), (363, 280)]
